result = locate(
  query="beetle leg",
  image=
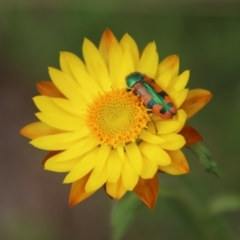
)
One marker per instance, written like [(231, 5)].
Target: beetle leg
[(154, 125), (150, 111)]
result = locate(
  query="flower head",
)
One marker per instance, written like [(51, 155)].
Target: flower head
[(101, 133)]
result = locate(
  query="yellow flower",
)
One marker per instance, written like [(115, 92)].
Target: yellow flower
[(102, 134)]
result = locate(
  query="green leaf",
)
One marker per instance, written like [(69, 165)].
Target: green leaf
[(222, 204), (123, 214), (205, 157)]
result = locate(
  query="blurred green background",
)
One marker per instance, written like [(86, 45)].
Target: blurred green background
[(206, 36)]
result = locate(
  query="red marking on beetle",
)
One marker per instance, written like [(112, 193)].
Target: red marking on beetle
[(157, 108), (152, 83), (167, 99), (140, 90), (163, 108)]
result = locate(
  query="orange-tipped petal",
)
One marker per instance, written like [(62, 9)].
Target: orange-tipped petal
[(147, 190), (191, 135), (107, 40), (170, 62), (196, 100), (149, 60), (49, 89), (78, 193), (70, 64), (179, 164), (38, 129), (115, 190), (49, 155), (96, 65), (129, 45)]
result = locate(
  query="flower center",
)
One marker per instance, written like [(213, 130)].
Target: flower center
[(117, 117)]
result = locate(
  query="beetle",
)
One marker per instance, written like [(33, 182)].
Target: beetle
[(151, 94)]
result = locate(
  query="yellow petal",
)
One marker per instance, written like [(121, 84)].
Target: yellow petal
[(134, 156), (120, 151), (149, 168), (60, 166), (38, 129), (49, 155), (181, 117), (170, 62), (128, 44), (53, 142), (114, 166), (84, 166), (49, 89), (116, 190), (179, 164), (46, 104), (83, 146), (179, 82), (99, 174), (179, 97), (66, 85), (164, 79), (76, 69), (102, 157), (155, 153), (128, 65), (164, 126), (147, 190), (116, 68), (78, 192), (196, 100), (173, 141), (151, 138), (107, 40), (77, 135), (69, 63), (65, 122), (129, 175), (95, 65), (96, 180), (149, 60), (77, 109)]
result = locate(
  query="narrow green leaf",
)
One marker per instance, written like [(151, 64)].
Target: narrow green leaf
[(123, 214), (205, 158), (222, 204)]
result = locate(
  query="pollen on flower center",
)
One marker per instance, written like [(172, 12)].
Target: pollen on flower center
[(116, 117)]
